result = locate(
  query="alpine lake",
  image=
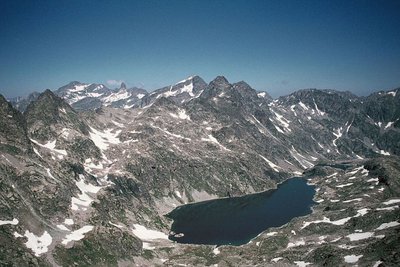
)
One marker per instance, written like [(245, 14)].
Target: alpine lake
[(237, 220)]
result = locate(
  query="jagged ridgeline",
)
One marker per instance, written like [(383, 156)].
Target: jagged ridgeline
[(87, 173)]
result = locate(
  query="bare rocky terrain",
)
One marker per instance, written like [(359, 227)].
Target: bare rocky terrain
[(88, 173)]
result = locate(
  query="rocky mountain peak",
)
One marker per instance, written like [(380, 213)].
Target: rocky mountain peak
[(49, 98), (199, 85), (220, 82), (181, 92), (12, 128), (123, 86), (48, 110), (216, 87), (48, 93), (198, 79), (245, 90), (74, 83), (3, 100)]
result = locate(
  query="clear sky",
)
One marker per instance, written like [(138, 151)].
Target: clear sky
[(278, 46)]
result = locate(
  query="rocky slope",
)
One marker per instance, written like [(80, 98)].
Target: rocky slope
[(91, 187)]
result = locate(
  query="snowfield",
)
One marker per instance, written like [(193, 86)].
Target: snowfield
[(77, 234), (146, 234), (83, 200), (38, 244)]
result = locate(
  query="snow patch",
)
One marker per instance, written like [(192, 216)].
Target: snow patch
[(185, 80), (338, 134), (147, 246), (188, 89), (355, 170), (140, 96), (171, 134), (62, 227), (327, 220), (300, 159), (344, 185), (296, 244), (360, 236), (318, 111), (16, 235), (117, 96), (146, 234), (120, 125), (388, 225), (84, 200), (362, 212), (103, 139), (261, 95), (94, 94), (389, 124), (116, 225), (69, 221), (387, 208), (392, 201), (276, 259), (216, 251), (282, 121), (271, 164), (352, 258), (181, 115), (373, 180), (352, 200), (303, 105), (78, 88), (38, 244), (51, 145), (292, 109), (50, 175), (272, 233), (332, 175), (37, 152), (383, 152), (178, 194), (302, 263), (77, 234), (13, 222)]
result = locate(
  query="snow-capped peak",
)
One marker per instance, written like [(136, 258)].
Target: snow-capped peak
[(186, 80)]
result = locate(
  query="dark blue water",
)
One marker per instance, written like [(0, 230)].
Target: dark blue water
[(237, 220)]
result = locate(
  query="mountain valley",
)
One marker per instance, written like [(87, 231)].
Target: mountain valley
[(87, 174)]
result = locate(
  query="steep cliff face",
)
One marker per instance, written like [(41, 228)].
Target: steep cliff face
[(13, 129)]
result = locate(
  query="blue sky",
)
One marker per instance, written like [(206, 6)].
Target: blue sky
[(277, 46)]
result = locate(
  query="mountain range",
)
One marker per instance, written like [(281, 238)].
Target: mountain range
[(88, 173)]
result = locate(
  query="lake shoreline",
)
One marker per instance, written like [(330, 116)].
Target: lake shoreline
[(237, 220)]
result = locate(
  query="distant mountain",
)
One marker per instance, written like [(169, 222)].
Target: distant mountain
[(91, 96), (91, 187), (21, 103), (180, 93)]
